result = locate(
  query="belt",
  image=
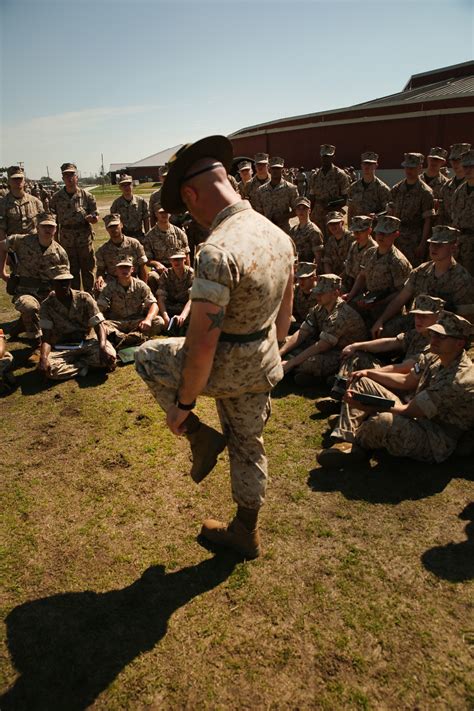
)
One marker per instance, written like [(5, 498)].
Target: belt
[(244, 337)]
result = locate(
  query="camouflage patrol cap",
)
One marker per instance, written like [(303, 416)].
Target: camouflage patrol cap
[(327, 282), (179, 254), (369, 157), (444, 234), (327, 150), (468, 158), (303, 201), (46, 218), (244, 165), (413, 160), (112, 219), (334, 216), (68, 168), (450, 324), (261, 158), (360, 223), (305, 269), (124, 179), (15, 171), (457, 149), (277, 162), (387, 224), (62, 273), (437, 152), (425, 304), (125, 262)]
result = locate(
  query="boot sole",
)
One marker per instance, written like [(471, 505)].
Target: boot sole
[(206, 467), (223, 545)]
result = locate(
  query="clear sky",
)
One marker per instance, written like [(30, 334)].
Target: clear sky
[(128, 78)]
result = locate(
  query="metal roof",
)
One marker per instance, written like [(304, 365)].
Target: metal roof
[(153, 161)]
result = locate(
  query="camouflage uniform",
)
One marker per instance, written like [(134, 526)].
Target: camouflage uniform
[(110, 253), (456, 286), (174, 290), (386, 271), (252, 189), (125, 307), (71, 325), (308, 242), (336, 251), (339, 328), (133, 214), (447, 194), (355, 258), (462, 212), (35, 268), (436, 184), (411, 206), (18, 215), (155, 199), (159, 246), (76, 234), (302, 303), (366, 198), (244, 266), (323, 188), (276, 202)]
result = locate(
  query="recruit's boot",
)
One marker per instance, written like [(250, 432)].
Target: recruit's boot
[(206, 445), (241, 534), (328, 406), (341, 454)]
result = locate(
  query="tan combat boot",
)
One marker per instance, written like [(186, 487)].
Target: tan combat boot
[(206, 445), (241, 534)]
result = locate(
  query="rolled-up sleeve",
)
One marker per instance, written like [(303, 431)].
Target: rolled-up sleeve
[(215, 276)]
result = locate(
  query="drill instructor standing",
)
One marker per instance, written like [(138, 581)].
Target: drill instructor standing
[(241, 306)]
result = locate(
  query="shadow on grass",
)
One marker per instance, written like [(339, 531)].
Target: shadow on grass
[(454, 561), (287, 386), (68, 648), (391, 480), (32, 382)]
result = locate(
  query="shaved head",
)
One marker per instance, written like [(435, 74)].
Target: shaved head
[(206, 190)]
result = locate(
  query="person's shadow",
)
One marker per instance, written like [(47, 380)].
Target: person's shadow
[(454, 561), (68, 648)]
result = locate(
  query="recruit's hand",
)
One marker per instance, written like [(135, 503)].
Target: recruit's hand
[(377, 328), (44, 366), (176, 420), (144, 325), (348, 351), (348, 398), (99, 283), (107, 359)]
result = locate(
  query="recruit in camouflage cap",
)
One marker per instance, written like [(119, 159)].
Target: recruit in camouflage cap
[(468, 158), (369, 157), (15, 171), (327, 282), (412, 160), (457, 149), (179, 254), (46, 218), (68, 168), (444, 234), (261, 158), (277, 162), (305, 269), (437, 152), (112, 219), (62, 273), (125, 262), (450, 324), (327, 150), (124, 179), (334, 216), (303, 201), (425, 304), (387, 224), (360, 223), (244, 165)]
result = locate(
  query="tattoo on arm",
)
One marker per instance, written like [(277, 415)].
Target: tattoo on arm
[(216, 319)]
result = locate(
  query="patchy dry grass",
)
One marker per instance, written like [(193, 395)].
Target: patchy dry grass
[(362, 599)]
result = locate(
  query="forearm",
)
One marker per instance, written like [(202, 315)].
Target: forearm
[(390, 380), (393, 307), (319, 347), (101, 334), (410, 409), (294, 340), (283, 318), (143, 273), (152, 311), (359, 286), (426, 229), (161, 305)]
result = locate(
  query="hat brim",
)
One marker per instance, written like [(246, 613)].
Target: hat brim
[(17, 175), (441, 241), (69, 170), (48, 222), (368, 160), (261, 162), (422, 312), (125, 182), (112, 223), (178, 256), (431, 155), (218, 147), (63, 277), (124, 264), (439, 328)]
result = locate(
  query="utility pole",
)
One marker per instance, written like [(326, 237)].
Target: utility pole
[(102, 170)]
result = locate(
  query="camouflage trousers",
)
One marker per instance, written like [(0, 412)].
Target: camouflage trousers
[(321, 365), (78, 245), (318, 215), (421, 439), (242, 418), (465, 255), (67, 364), (29, 307), (407, 242), (122, 326), (5, 363)]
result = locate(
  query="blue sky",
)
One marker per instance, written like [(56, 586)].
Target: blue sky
[(128, 78)]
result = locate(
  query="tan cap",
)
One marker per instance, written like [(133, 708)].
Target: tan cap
[(277, 162), (305, 269), (244, 165), (124, 179), (46, 218), (62, 273), (457, 149), (334, 216), (360, 223), (303, 201), (68, 168), (125, 262), (444, 234), (387, 224), (327, 150), (425, 304), (468, 158), (327, 282), (179, 254), (437, 152), (112, 219), (412, 160), (369, 157), (15, 171), (261, 158), (450, 324)]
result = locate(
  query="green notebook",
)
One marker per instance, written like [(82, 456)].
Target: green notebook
[(127, 355)]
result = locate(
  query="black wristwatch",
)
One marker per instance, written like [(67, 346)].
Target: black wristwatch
[(181, 406)]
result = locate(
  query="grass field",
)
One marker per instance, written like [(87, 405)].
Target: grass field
[(362, 599)]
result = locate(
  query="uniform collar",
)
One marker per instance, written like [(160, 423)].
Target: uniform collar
[(229, 211)]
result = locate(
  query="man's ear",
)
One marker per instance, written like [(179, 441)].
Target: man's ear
[(188, 194)]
